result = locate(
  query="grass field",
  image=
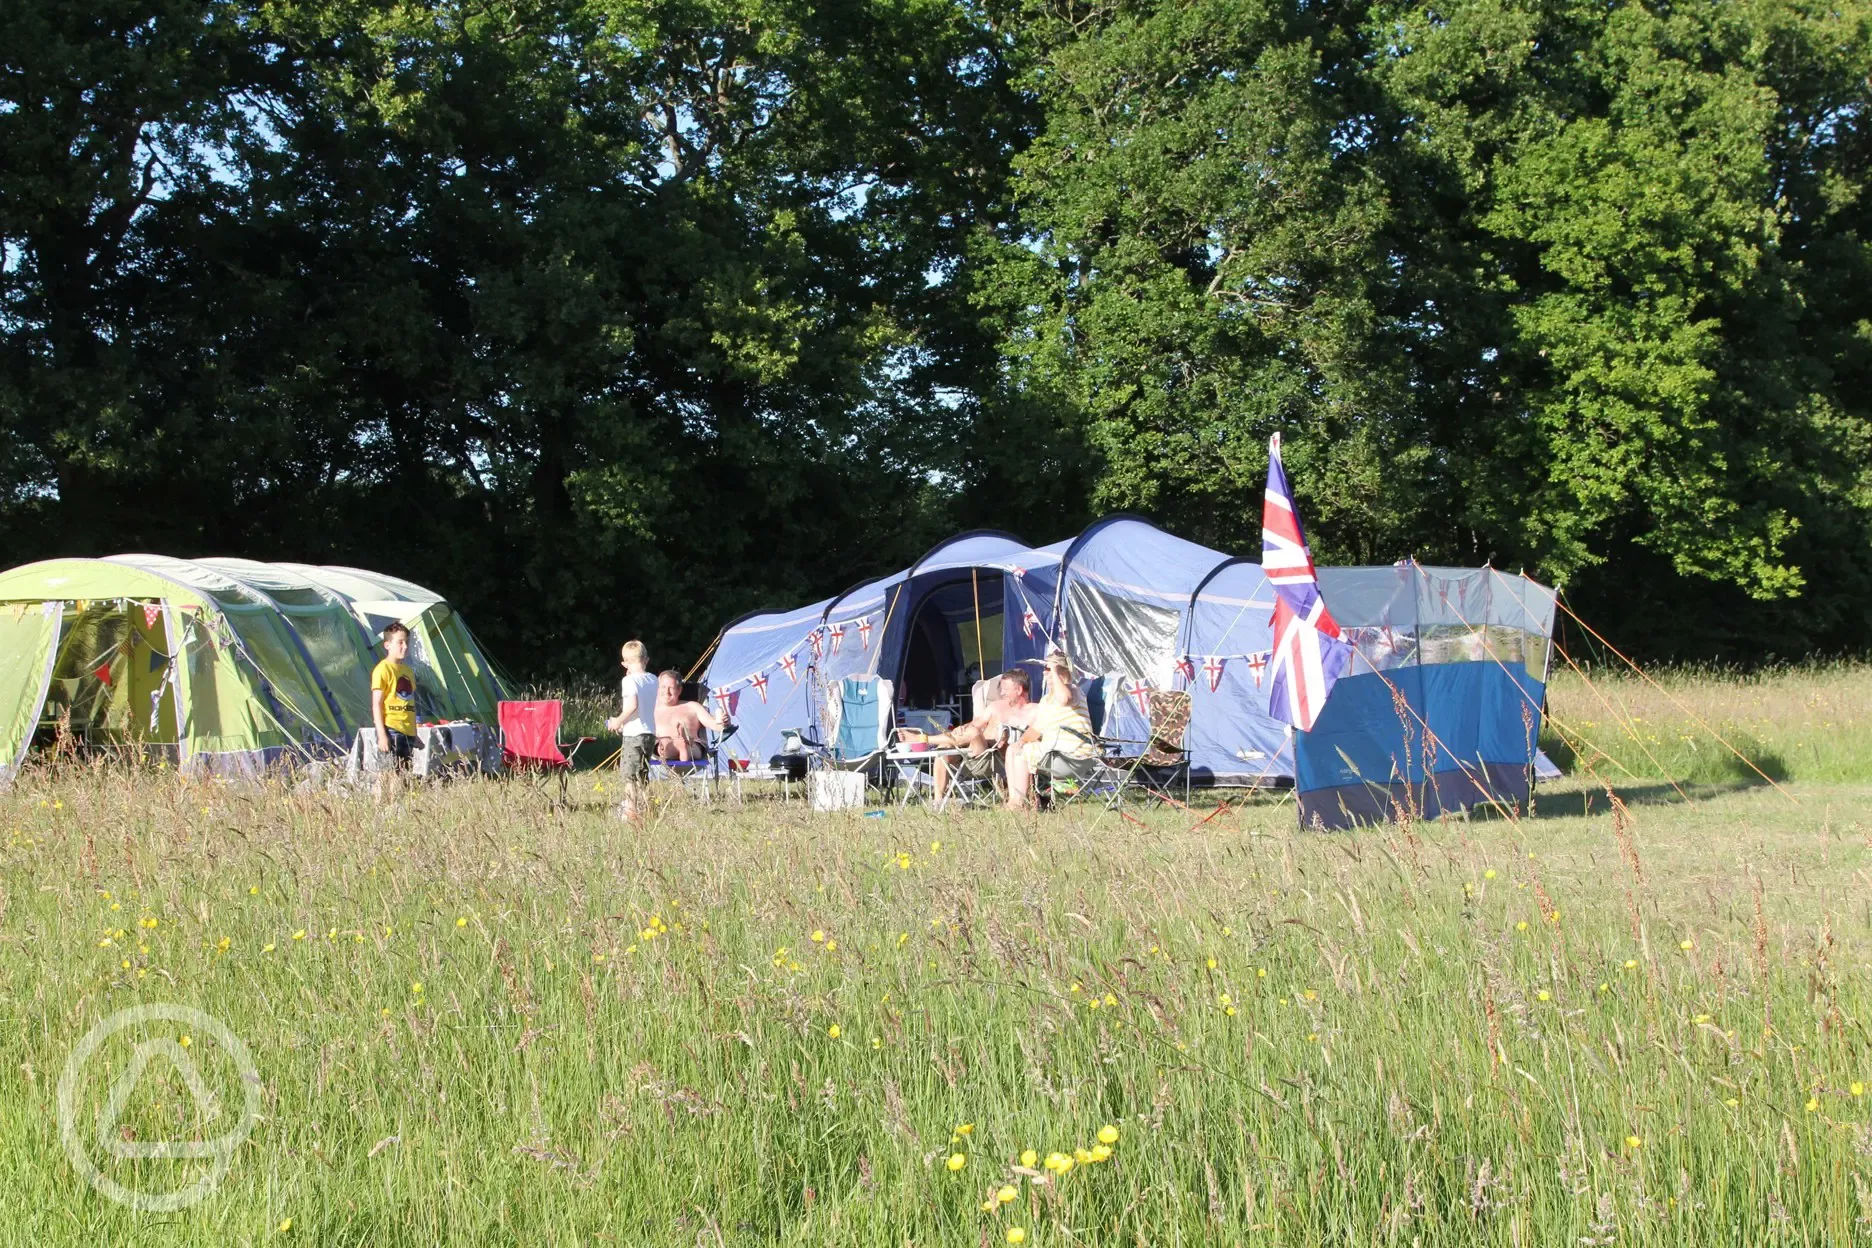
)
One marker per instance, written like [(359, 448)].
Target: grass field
[(1808, 723), (476, 1020)]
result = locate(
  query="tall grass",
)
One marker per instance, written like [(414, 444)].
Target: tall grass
[(480, 1020), (1807, 723)]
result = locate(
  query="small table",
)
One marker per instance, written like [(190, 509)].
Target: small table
[(918, 761)]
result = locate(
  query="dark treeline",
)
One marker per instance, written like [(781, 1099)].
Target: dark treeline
[(617, 316)]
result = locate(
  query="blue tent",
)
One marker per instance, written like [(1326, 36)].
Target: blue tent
[(1233, 740), (1454, 657), (1154, 611), (970, 608), (1441, 706)]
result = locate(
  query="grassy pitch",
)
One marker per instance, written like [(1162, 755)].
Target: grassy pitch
[(476, 1020)]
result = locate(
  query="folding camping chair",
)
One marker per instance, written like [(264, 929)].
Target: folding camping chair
[(1159, 765), (529, 737), (703, 777), (861, 732)]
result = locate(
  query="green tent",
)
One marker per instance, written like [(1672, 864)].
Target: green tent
[(454, 678), (223, 664)]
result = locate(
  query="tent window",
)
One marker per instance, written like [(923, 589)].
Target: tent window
[(1106, 632)]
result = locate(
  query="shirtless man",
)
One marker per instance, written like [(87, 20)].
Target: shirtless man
[(679, 724), (978, 736)]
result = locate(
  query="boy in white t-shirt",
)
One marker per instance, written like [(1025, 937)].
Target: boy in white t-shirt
[(636, 720)]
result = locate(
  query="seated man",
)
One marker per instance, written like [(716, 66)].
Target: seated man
[(1008, 712), (680, 725)]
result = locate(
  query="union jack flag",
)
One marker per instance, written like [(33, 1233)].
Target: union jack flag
[(1257, 663), (864, 633), (817, 643), (837, 635), (790, 665), (1309, 655), (758, 683), (1030, 622), (1186, 668), (1212, 667), (726, 701)]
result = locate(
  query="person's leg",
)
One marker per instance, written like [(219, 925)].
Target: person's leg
[(1019, 778), (634, 772)]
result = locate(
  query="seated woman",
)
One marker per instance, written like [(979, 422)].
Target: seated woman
[(1058, 729)]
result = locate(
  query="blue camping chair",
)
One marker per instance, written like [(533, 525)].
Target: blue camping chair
[(703, 778), (860, 731)]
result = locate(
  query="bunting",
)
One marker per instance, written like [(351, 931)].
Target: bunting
[(157, 659), (1186, 669), (790, 665), (102, 672), (818, 644), (1213, 667), (1140, 691), (1030, 622), (838, 635), (864, 633), (1257, 663), (758, 683), (152, 611)]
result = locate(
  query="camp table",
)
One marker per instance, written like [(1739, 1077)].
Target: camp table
[(913, 764)]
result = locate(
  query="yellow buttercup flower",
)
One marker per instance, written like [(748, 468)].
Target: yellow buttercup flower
[(1016, 1235), (1005, 1195), (1521, 926), (185, 1042), (1858, 1088), (1686, 945), (818, 938), (1813, 1104), (1108, 1134), (1101, 1152), (1029, 1158), (1489, 874), (1544, 995), (834, 1031), (1632, 1142), (461, 922), (285, 1225), (956, 1162), (967, 1128)]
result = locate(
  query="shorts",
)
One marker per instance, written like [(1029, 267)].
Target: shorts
[(402, 745), (634, 757)]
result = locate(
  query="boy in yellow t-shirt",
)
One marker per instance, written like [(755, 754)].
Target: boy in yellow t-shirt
[(393, 698)]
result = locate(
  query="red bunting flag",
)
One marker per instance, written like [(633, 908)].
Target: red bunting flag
[(1212, 666), (1186, 668), (790, 665), (838, 635), (818, 643), (1140, 690), (864, 633), (152, 611), (102, 671), (758, 682), (1257, 663)]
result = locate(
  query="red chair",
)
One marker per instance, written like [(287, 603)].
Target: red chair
[(529, 735)]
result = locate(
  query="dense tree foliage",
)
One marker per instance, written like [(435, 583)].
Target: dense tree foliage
[(611, 316)]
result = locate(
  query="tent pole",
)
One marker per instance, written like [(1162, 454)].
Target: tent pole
[(981, 663)]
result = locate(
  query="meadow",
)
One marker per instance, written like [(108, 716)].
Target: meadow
[(477, 1018)]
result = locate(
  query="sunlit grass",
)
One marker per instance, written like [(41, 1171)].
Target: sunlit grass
[(1808, 723), (478, 1020)]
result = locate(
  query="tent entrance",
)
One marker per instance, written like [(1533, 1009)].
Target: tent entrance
[(953, 639), (112, 680)]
